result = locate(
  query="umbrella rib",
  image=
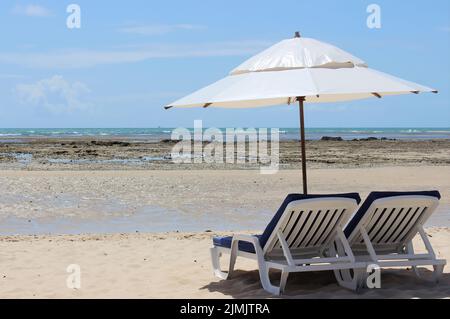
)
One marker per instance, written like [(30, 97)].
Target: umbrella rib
[(377, 95), (313, 82)]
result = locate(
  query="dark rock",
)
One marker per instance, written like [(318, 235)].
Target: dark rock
[(331, 138), (370, 138), (169, 141), (110, 143)]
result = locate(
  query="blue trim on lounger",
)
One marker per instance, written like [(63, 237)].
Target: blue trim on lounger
[(247, 247), (377, 195), (226, 242)]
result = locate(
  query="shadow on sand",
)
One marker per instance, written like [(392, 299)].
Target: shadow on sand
[(395, 283)]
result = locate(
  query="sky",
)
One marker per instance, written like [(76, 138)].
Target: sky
[(129, 59)]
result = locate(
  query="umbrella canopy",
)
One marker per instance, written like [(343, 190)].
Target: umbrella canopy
[(255, 89), (318, 71), (298, 69)]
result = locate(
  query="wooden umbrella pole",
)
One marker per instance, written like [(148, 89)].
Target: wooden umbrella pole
[(301, 99)]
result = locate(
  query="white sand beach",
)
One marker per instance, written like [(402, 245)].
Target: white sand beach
[(174, 265), (170, 264)]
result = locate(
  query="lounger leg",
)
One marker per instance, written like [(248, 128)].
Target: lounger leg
[(265, 280), (416, 271), (357, 281), (345, 273), (346, 280), (437, 273), (410, 250), (233, 257), (215, 258), (263, 270), (262, 265), (337, 273), (438, 269), (360, 278), (283, 280), (344, 276)]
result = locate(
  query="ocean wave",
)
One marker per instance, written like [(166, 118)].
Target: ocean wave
[(410, 131), (438, 132)]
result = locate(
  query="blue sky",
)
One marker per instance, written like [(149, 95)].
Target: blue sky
[(129, 59)]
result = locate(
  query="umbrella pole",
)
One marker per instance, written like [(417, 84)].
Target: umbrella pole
[(301, 99)]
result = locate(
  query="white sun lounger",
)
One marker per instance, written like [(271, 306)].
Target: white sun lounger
[(382, 230), (304, 235)]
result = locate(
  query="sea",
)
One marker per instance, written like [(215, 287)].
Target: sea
[(157, 134)]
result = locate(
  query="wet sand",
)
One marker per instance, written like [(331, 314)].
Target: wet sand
[(182, 200), (122, 154)]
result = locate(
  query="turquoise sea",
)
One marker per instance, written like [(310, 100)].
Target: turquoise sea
[(155, 134)]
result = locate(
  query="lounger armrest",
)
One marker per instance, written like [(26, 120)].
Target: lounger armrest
[(247, 238)]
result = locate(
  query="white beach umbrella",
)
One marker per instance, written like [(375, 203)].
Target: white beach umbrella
[(298, 69)]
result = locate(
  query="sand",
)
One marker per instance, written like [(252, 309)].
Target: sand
[(177, 265), (174, 265)]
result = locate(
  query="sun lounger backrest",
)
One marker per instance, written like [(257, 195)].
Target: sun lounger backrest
[(391, 219), (308, 223)]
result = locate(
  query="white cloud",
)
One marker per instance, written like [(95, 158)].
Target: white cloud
[(159, 29), (77, 58), (444, 29), (31, 10), (54, 94)]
